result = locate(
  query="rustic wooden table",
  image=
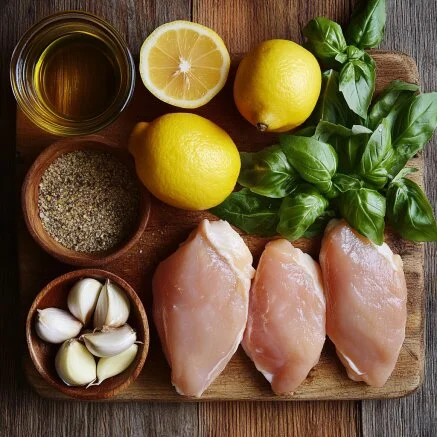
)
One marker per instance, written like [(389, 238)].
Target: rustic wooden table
[(411, 28)]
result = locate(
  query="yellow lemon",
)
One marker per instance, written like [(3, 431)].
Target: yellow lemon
[(185, 160), (184, 64), (277, 85)]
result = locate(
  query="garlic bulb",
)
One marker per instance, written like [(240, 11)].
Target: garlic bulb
[(112, 307), (74, 363), (82, 298), (109, 341), (55, 325), (108, 367)]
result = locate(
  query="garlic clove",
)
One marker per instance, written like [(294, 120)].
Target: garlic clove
[(55, 325), (75, 364), (109, 341), (107, 367), (112, 308), (82, 298)]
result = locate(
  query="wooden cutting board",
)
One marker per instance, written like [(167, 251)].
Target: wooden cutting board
[(168, 227)]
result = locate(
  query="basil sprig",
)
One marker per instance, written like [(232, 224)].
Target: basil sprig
[(389, 102), (268, 172), (325, 39), (364, 209), (300, 211), (409, 211), (348, 159), (316, 162), (251, 212), (357, 83), (414, 125), (378, 151), (367, 24)]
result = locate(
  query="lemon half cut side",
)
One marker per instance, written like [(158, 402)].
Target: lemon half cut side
[(184, 64)]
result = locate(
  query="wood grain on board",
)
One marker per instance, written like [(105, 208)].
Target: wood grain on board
[(168, 227)]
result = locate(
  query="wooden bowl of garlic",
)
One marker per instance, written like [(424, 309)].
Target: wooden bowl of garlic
[(88, 334)]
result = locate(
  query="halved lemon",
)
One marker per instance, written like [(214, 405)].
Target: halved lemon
[(184, 64)]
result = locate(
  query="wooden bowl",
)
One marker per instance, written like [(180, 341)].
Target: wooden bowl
[(30, 193), (43, 354)]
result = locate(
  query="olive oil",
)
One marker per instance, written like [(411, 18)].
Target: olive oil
[(77, 77)]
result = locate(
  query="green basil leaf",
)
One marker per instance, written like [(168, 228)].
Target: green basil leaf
[(327, 131), (357, 83), (413, 127), (404, 172), (300, 211), (345, 182), (367, 24), (331, 105), (358, 129), (347, 142), (376, 156), (353, 52), (316, 162), (268, 172), (320, 223), (250, 212), (364, 210), (409, 211), (389, 102), (325, 39)]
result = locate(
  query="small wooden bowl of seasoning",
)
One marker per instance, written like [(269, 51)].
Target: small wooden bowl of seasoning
[(56, 296), (83, 203)]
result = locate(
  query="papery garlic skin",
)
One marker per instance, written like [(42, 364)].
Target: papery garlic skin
[(55, 325), (74, 364), (107, 367), (82, 298), (109, 341), (112, 307)]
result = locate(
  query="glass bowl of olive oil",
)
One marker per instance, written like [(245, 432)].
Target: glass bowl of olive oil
[(72, 73)]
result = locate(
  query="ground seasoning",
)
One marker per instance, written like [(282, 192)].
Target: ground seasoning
[(88, 200)]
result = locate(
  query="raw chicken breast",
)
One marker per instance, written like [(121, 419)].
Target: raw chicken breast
[(200, 304), (366, 302), (285, 330)]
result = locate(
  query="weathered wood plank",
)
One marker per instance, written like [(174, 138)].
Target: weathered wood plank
[(23, 413)]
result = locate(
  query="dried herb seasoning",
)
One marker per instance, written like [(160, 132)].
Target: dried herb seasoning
[(88, 201)]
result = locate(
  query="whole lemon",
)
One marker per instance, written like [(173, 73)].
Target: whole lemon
[(185, 160), (277, 85)]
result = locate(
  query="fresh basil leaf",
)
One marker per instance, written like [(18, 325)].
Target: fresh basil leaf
[(364, 210), (345, 182), (358, 129), (347, 142), (357, 83), (300, 211), (353, 52), (331, 105), (409, 211), (250, 212), (404, 172), (316, 162), (326, 131), (319, 225), (413, 127), (367, 24), (376, 156), (268, 172), (389, 102), (325, 39)]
